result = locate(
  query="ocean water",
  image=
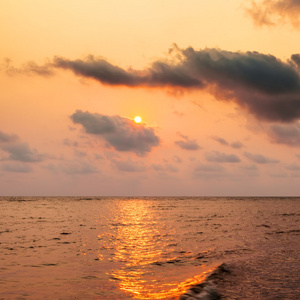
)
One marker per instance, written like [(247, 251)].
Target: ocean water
[(148, 248)]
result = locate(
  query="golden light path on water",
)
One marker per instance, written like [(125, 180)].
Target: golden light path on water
[(141, 241)]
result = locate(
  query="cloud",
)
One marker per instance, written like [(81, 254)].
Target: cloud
[(7, 138), (186, 143), (129, 166), (236, 145), (262, 84), (222, 157), (17, 150), (285, 134), (220, 140), (30, 68), (272, 12), (68, 142), (209, 171), (16, 168), (22, 152), (164, 168), (120, 133), (293, 167), (260, 159), (77, 167)]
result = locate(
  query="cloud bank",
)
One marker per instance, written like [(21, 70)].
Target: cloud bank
[(265, 86), (120, 133)]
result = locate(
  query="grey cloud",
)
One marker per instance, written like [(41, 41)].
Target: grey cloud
[(128, 166), (220, 140), (236, 145), (22, 152), (222, 157), (186, 143), (285, 134), (260, 159), (262, 84), (100, 70), (6, 138), (271, 13), (120, 133), (17, 150)]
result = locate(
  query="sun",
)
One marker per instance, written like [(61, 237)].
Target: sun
[(137, 119)]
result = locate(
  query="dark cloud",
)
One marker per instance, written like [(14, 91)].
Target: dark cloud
[(222, 157), (186, 143), (270, 13), (285, 134), (120, 133), (262, 84), (17, 150), (260, 159)]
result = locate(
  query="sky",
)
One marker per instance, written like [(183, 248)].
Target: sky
[(216, 84)]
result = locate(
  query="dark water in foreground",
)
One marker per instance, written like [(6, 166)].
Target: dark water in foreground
[(148, 248)]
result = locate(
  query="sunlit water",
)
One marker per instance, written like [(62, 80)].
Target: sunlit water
[(147, 248)]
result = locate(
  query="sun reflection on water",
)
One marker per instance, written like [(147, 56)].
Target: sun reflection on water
[(141, 244)]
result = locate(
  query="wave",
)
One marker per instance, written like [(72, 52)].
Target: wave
[(207, 290)]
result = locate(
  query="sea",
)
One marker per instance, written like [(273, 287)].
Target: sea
[(149, 248)]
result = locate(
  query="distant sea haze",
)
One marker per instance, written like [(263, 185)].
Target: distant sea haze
[(149, 248)]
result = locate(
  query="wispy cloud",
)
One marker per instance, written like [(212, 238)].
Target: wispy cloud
[(120, 133), (219, 157), (260, 159), (272, 12), (186, 143)]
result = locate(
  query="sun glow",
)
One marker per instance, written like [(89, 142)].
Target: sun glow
[(137, 119)]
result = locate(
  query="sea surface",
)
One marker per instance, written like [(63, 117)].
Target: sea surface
[(148, 248)]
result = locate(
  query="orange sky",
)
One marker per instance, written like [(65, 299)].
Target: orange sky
[(218, 118)]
